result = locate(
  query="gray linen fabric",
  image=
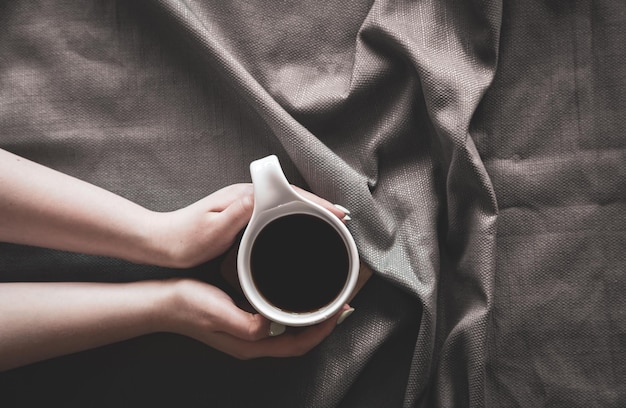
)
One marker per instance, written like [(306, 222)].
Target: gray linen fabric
[(479, 146)]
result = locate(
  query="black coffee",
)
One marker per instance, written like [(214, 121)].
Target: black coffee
[(299, 263)]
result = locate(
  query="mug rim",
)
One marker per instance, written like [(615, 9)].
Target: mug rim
[(259, 221)]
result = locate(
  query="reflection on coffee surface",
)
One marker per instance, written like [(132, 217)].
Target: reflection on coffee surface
[(299, 263)]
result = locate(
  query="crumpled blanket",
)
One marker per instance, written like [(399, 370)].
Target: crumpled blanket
[(479, 146)]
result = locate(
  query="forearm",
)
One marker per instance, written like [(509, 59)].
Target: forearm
[(42, 207), (43, 320)]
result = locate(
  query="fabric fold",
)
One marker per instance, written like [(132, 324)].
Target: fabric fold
[(384, 147)]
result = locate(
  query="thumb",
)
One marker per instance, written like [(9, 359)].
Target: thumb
[(237, 215), (243, 325)]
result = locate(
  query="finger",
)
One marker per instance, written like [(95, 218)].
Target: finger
[(290, 344), (224, 197), (293, 343), (236, 215), (230, 319), (320, 201)]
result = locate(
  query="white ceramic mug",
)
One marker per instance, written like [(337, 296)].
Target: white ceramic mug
[(274, 200)]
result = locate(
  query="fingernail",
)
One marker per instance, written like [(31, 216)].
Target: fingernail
[(276, 329), (342, 208), (345, 315), (346, 218)]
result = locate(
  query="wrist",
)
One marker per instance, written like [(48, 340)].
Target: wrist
[(172, 239), (152, 245), (169, 309), (158, 299)]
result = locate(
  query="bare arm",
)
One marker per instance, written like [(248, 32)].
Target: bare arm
[(42, 207), (45, 320)]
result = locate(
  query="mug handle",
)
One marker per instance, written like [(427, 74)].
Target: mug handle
[(270, 185)]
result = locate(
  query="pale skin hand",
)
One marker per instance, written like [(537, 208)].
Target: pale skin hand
[(44, 320), (207, 228), (42, 207), (207, 314)]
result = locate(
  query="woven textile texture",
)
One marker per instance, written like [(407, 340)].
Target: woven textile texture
[(479, 146)]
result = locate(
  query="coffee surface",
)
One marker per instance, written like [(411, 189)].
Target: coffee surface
[(299, 263)]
